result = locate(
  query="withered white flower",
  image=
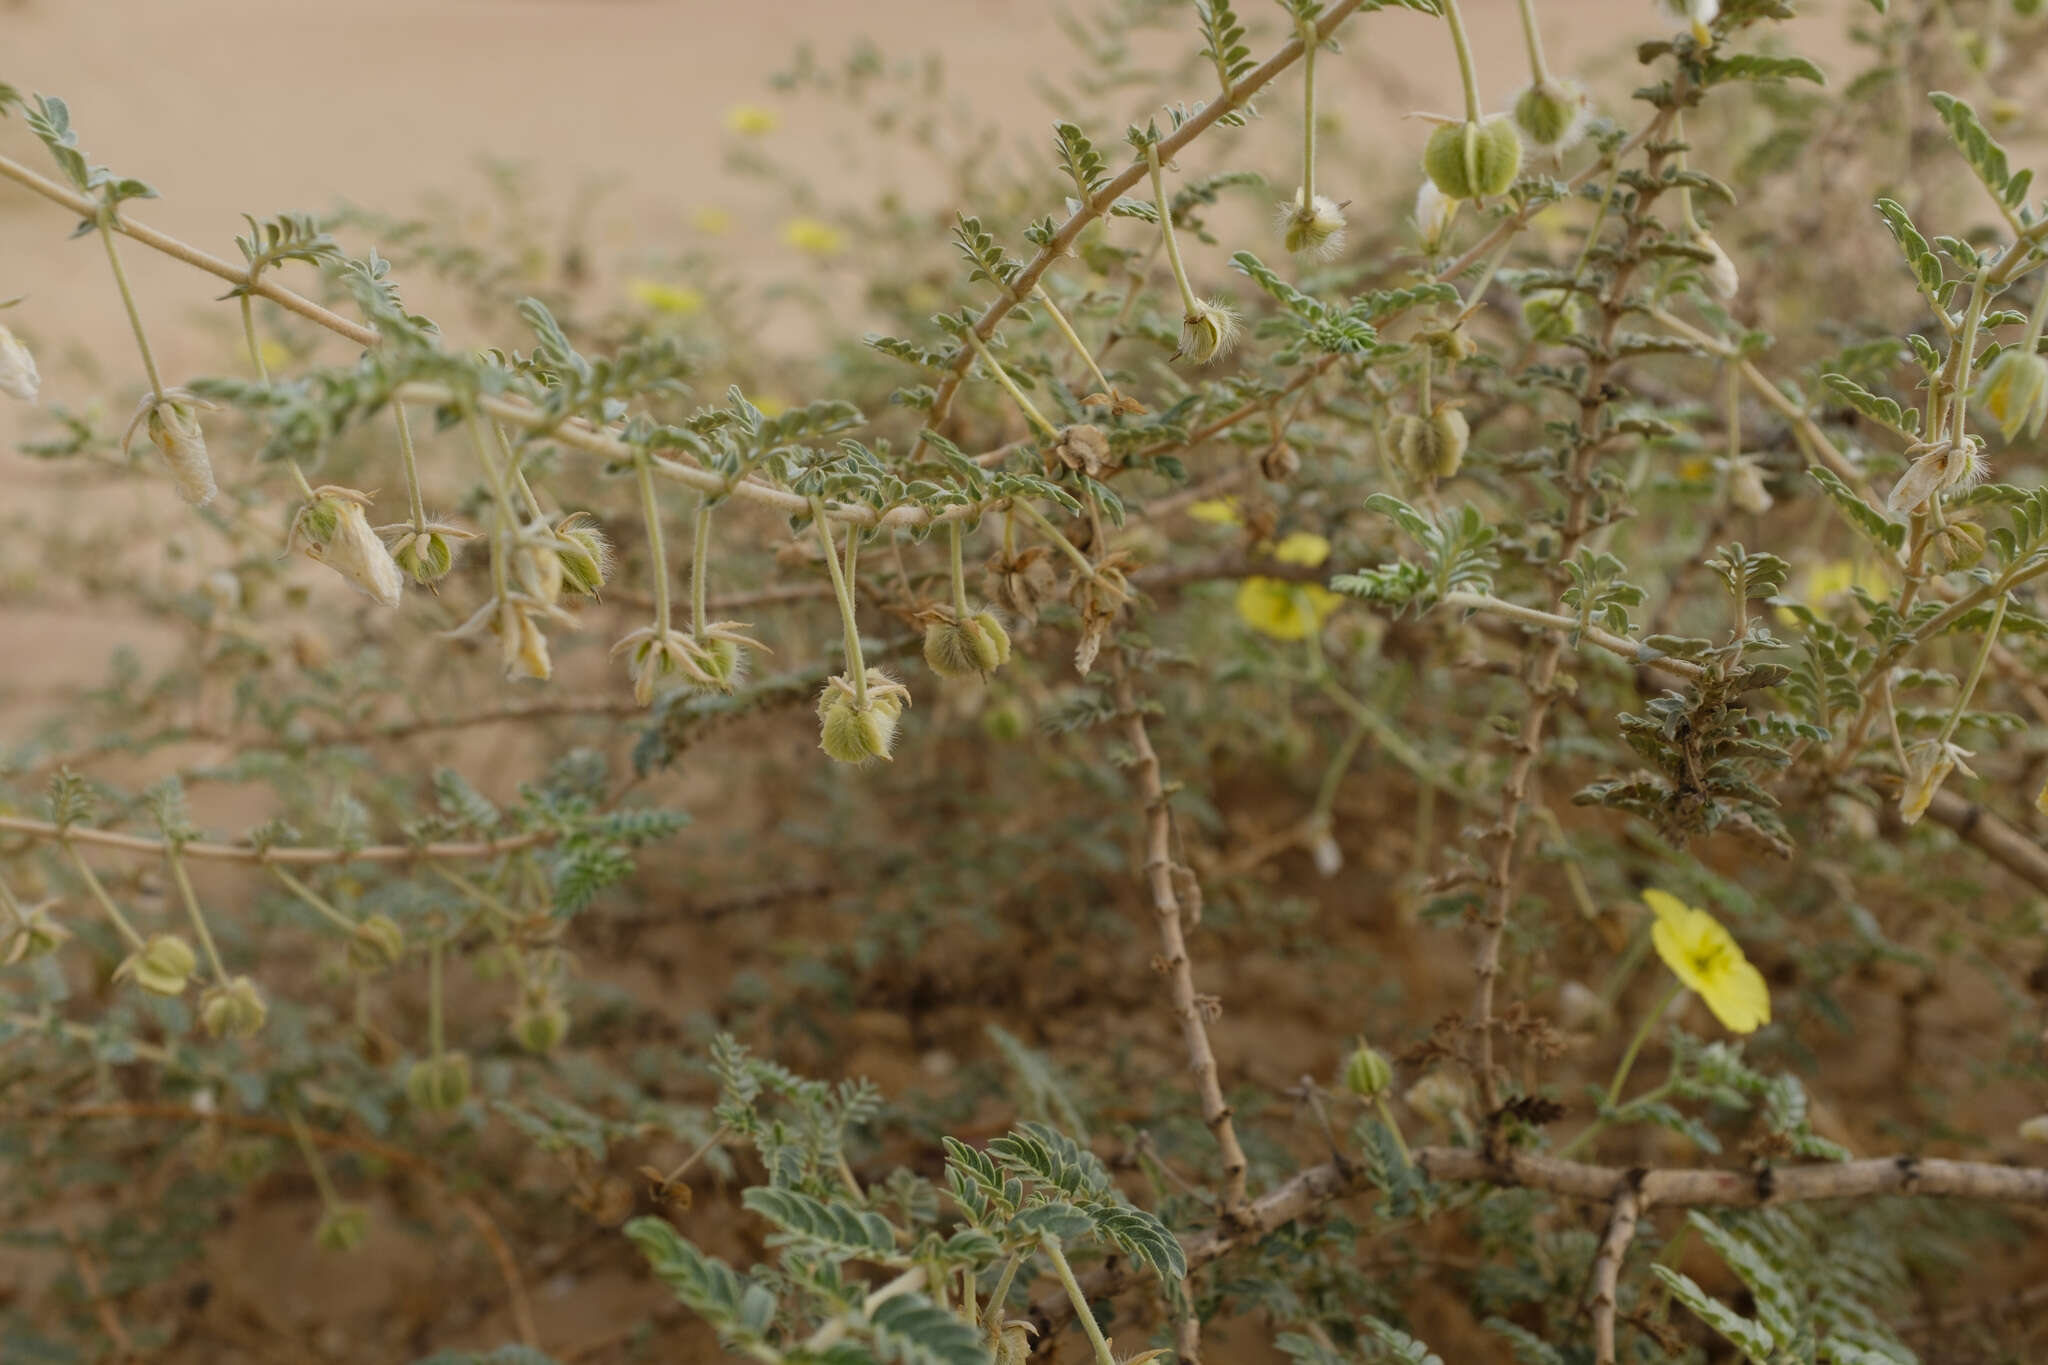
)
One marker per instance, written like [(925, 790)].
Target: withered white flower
[(515, 620), (334, 530), (1937, 466), (173, 424), (1208, 332), (1315, 228), (18, 377), (1928, 765)]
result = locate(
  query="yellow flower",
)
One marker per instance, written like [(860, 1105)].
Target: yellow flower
[(677, 299), (770, 405), (1285, 610), (1695, 469), (751, 120), (1827, 586), (1304, 548), (1215, 511), (813, 237), (1708, 960), (712, 219)]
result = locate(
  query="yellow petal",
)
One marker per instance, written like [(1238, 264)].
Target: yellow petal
[(1215, 511), (1304, 548), (1738, 997)]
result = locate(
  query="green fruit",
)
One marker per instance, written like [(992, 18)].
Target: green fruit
[(1551, 115), (1473, 160), (1368, 1074), (439, 1084)]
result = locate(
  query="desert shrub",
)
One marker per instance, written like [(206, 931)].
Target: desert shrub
[(1405, 770)]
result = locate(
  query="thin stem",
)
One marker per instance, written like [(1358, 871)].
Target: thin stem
[(311, 1153), (436, 1037), (1533, 37), (650, 508), (1082, 1311), (314, 899), (1000, 1295), (175, 858), (854, 663), (687, 1162), (1074, 339), (1955, 717), (700, 561), (1379, 1102), (1189, 303), (1635, 1044), (412, 468), (2031, 342), (1305, 210), (1038, 519), (1002, 377), (99, 893), (1467, 72), (959, 573), (249, 340), (156, 383)]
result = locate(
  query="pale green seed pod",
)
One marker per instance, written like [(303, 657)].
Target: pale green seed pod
[(36, 935), (585, 552), (854, 733), (1367, 1073), (234, 1010), (377, 943), (439, 1085), (1409, 442), (725, 661), (1208, 332), (342, 1227), (1474, 160), (427, 558), (977, 646), (1552, 315), (540, 1023), (1552, 115), (162, 966), (1453, 434)]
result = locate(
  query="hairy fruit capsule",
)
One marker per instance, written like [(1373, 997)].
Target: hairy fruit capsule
[(1473, 160)]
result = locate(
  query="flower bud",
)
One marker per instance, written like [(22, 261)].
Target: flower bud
[(377, 943), (1208, 332), (342, 1227), (438, 1085), (1367, 1073), (1473, 160), (174, 430), (852, 731), (161, 966), (233, 1010), (1315, 227), (1719, 270), (521, 646), (1552, 315), (1552, 115), (2014, 390), (1434, 213), (954, 649), (540, 1022), (32, 936), (18, 377)]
